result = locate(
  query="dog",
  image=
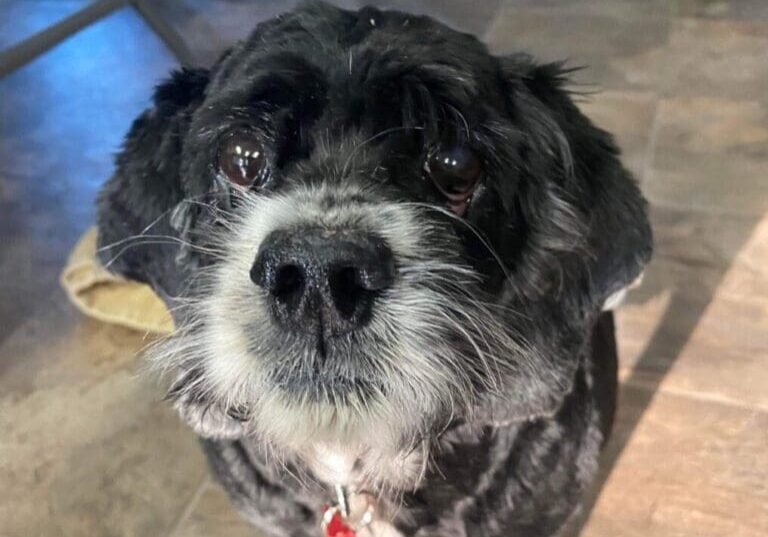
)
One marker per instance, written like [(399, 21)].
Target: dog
[(387, 253)]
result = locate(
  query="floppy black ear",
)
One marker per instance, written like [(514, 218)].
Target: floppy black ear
[(586, 236), (146, 186), (588, 223)]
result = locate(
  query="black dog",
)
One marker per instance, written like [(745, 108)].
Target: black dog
[(387, 252)]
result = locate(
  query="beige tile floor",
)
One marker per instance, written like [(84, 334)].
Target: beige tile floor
[(87, 449)]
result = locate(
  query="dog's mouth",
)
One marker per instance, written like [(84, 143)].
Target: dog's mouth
[(318, 365), (321, 384)]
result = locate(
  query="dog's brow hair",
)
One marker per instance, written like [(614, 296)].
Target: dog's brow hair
[(467, 130), (345, 168)]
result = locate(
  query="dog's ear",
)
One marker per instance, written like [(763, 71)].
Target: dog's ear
[(588, 227), (586, 231), (146, 186)]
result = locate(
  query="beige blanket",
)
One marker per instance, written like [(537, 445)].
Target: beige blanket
[(105, 296)]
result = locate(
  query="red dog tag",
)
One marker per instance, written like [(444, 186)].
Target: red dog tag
[(335, 526), (347, 519)]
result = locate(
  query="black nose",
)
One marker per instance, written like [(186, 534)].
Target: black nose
[(322, 280)]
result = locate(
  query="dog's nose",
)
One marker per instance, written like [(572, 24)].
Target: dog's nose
[(322, 279)]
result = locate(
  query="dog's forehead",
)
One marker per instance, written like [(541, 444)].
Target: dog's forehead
[(358, 62)]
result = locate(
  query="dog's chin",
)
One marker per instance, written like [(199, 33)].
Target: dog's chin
[(322, 404), (381, 442), (338, 370), (296, 422), (321, 386), (324, 369)]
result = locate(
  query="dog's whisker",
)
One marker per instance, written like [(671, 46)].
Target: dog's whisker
[(153, 223), (132, 238), (470, 227), (147, 241)]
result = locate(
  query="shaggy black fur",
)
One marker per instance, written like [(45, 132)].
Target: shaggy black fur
[(555, 207)]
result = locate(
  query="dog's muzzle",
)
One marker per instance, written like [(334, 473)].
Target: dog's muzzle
[(323, 282)]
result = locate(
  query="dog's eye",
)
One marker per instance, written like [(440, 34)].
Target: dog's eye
[(241, 158), (455, 171)]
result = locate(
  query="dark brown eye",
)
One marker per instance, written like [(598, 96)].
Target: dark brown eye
[(241, 158), (455, 171)]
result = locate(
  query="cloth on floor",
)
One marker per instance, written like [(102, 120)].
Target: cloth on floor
[(108, 297)]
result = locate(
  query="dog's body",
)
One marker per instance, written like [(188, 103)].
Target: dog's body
[(387, 253), (504, 477)]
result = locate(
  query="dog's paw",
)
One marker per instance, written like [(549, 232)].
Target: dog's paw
[(212, 421), (207, 418)]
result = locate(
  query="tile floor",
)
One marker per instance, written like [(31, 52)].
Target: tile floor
[(86, 449)]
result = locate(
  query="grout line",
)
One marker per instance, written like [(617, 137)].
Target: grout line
[(714, 211), (707, 211), (486, 33), (661, 91), (191, 504), (653, 133), (652, 386)]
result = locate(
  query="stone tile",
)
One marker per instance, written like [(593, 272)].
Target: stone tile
[(24, 293), (689, 469), (134, 483), (618, 50), (30, 262), (747, 279), (713, 242), (614, 8), (738, 128), (20, 19), (21, 298), (85, 350), (711, 154), (688, 341), (213, 516), (629, 117), (718, 58), (724, 9), (88, 448), (699, 323)]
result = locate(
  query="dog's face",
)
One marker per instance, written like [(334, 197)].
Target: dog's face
[(372, 218)]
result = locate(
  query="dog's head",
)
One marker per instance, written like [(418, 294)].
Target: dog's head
[(367, 226)]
